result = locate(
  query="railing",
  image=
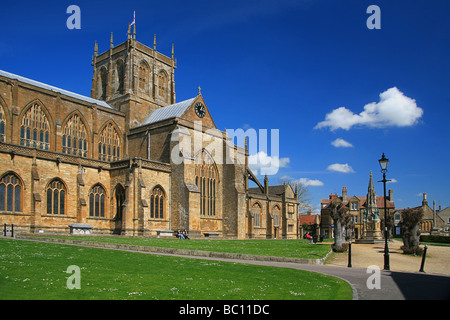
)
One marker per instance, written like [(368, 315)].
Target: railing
[(8, 232)]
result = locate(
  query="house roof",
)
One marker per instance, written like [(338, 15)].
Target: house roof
[(362, 201), (55, 89), (277, 190), (168, 112), (308, 219)]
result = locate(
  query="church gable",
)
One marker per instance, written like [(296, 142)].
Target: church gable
[(193, 110), (198, 111)]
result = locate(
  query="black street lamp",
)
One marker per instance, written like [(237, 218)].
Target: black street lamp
[(384, 164)]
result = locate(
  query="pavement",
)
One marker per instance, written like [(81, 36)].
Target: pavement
[(369, 282), (376, 283), (393, 285), (402, 282)]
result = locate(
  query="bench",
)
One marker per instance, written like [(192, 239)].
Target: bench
[(210, 234), (164, 233)]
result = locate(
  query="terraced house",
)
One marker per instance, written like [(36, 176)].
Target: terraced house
[(129, 159)]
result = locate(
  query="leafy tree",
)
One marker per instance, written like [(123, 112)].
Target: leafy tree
[(411, 218)]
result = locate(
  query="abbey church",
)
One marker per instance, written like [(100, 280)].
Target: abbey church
[(129, 160)]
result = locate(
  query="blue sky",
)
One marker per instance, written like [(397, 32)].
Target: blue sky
[(311, 69)]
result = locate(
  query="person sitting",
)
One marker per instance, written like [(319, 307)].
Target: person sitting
[(185, 234), (308, 236)]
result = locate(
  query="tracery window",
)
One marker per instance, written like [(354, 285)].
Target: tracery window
[(163, 83), (75, 140), (35, 128), (103, 82), (157, 203), (10, 193), (109, 144), (144, 72), (56, 197), (276, 216), (97, 202), (206, 181), (2, 125), (256, 212), (120, 76)]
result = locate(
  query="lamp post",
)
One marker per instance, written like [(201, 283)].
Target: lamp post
[(384, 164)]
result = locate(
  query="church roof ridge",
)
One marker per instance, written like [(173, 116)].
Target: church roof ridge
[(55, 89), (168, 112)]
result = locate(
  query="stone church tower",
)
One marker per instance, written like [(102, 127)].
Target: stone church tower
[(134, 78)]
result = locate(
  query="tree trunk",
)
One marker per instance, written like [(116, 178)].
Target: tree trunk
[(338, 233), (411, 230)]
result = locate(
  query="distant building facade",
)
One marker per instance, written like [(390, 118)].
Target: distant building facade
[(434, 220), (360, 208)]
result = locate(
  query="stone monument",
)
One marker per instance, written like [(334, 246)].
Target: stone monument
[(371, 217)]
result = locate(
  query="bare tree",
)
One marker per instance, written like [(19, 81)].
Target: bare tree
[(304, 197), (411, 218)]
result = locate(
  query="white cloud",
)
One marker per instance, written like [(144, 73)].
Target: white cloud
[(341, 167), (262, 163), (310, 182), (393, 110), (393, 180), (304, 181), (341, 143)]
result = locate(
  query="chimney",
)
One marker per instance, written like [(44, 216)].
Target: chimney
[(391, 195), (434, 213), (332, 196), (344, 194)]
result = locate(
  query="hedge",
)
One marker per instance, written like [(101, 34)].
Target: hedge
[(437, 239)]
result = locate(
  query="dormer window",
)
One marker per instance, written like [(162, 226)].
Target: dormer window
[(353, 205)]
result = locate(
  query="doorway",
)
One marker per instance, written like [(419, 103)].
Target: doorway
[(119, 200)]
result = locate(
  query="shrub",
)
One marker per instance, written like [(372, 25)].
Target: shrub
[(436, 239)]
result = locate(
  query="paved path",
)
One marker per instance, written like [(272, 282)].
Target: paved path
[(393, 285), (363, 255)]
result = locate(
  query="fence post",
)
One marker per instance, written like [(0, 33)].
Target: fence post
[(12, 230), (4, 229), (423, 258), (349, 254)]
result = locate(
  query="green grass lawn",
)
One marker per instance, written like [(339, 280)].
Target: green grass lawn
[(281, 248), (35, 270)]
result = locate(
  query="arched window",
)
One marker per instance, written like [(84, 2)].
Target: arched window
[(56, 198), (35, 129), (75, 140), (256, 212), (2, 125), (206, 181), (276, 216), (109, 144), (163, 84), (97, 202), (103, 82), (144, 72), (157, 204), (10, 193), (120, 75)]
